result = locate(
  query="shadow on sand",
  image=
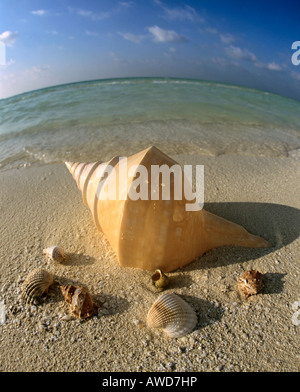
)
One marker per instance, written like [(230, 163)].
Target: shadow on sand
[(278, 224)]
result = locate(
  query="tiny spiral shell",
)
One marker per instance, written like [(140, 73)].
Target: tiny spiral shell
[(55, 253), (36, 284), (160, 280), (174, 315)]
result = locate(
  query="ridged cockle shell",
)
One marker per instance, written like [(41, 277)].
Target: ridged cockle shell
[(146, 233), (172, 314), (36, 284)]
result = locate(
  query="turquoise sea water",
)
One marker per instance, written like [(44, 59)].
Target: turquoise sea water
[(95, 120)]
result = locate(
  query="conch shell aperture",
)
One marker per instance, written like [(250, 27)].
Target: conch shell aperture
[(152, 234)]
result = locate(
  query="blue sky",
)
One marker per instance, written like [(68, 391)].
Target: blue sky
[(60, 41)]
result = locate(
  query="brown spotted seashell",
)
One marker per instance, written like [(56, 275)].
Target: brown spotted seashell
[(80, 301), (172, 314), (250, 283), (160, 280), (151, 234), (36, 284), (55, 253)]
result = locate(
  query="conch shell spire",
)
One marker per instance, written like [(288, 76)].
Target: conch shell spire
[(151, 234)]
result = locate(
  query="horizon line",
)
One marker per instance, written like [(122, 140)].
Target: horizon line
[(149, 77)]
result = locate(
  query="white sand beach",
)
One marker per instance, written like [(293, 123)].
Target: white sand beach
[(41, 206)]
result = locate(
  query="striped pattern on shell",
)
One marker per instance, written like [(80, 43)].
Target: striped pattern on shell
[(36, 284), (174, 315), (152, 234), (80, 301)]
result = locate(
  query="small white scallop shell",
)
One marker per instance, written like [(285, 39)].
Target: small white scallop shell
[(174, 315), (36, 284), (55, 253)]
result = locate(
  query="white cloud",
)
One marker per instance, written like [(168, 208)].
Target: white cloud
[(161, 35), (93, 15), (211, 30), (274, 67), (52, 32), (270, 66), (219, 61), (37, 69), (126, 4), (8, 37), (185, 13), (92, 33), (180, 13), (227, 38), (8, 63), (240, 54), (39, 12), (132, 37), (245, 54), (85, 13)]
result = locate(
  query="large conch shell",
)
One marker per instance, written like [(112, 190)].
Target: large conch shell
[(152, 234)]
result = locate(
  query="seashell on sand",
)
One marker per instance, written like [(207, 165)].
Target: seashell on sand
[(55, 253), (173, 315), (160, 280), (152, 234), (36, 284), (80, 301), (251, 283)]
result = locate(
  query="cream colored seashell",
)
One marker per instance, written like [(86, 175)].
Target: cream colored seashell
[(152, 234), (172, 314), (36, 284), (80, 301), (160, 280), (55, 253)]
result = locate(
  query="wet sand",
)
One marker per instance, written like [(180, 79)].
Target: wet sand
[(41, 206)]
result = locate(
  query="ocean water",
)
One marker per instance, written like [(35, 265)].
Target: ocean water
[(96, 120)]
